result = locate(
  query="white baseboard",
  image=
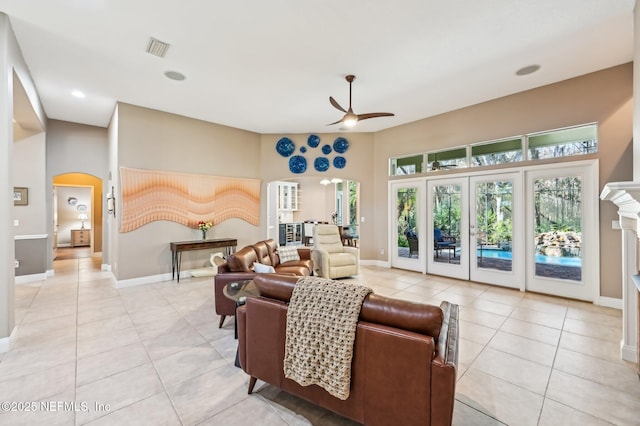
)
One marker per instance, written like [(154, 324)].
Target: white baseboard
[(105, 268), (628, 353), (5, 342), (24, 279), (609, 302), (50, 273), (379, 263), (148, 280)]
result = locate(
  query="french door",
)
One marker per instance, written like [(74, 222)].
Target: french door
[(562, 216), (407, 240), (529, 228), (448, 227), (495, 222), (476, 224)]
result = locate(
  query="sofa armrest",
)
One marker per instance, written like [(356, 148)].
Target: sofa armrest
[(304, 252), (241, 321), (320, 260), (225, 306), (352, 250), (448, 341), (444, 367)]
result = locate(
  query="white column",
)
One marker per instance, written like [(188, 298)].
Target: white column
[(630, 253)]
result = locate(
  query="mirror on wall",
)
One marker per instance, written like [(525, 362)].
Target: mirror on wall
[(294, 205)]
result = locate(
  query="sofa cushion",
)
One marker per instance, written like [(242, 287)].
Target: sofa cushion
[(292, 268), (262, 252), (242, 260), (288, 254)]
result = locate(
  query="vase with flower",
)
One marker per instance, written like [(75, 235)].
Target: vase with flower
[(204, 227)]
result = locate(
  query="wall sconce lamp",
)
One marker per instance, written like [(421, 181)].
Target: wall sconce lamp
[(111, 203), (325, 182)]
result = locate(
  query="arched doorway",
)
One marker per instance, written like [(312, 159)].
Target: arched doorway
[(77, 216)]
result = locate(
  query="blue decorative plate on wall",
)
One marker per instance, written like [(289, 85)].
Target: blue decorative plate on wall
[(313, 141), (285, 147), (297, 164), (340, 145), (339, 162), (326, 149), (303, 149), (321, 164)]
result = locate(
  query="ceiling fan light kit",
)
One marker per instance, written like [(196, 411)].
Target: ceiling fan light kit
[(350, 119)]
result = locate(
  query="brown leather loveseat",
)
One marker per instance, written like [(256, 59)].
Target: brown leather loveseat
[(239, 267), (404, 361)]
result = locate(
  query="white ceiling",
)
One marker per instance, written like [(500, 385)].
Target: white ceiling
[(270, 66)]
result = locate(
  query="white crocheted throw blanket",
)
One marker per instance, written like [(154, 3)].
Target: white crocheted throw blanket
[(321, 330)]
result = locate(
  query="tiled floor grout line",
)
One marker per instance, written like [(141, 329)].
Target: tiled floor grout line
[(75, 381), (552, 368), (153, 364)]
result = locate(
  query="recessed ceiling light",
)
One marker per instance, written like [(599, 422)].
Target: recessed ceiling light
[(175, 75), (529, 69), (78, 94)]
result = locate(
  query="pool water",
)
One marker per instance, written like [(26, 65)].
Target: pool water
[(549, 260)]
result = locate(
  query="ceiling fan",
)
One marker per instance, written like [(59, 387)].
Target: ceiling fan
[(350, 118), (436, 165)]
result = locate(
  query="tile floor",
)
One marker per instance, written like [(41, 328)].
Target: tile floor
[(154, 355)]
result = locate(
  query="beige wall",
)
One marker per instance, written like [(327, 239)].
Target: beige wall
[(150, 139), (359, 156), (604, 97), (77, 155), (31, 152), (12, 65)]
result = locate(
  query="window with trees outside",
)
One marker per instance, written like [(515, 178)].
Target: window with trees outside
[(567, 142)]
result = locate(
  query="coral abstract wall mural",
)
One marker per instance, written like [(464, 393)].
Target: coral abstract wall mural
[(150, 195)]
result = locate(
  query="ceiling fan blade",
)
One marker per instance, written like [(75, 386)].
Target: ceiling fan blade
[(336, 122), (374, 115), (336, 104)]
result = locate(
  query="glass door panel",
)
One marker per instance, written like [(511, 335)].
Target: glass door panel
[(407, 241), (448, 228), (557, 231), (561, 222), (495, 242)]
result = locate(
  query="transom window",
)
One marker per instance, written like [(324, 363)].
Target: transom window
[(565, 142)]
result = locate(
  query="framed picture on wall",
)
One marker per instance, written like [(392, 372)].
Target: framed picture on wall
[(20, 196)]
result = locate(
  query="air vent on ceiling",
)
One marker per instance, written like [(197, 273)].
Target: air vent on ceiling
[(157, 47)]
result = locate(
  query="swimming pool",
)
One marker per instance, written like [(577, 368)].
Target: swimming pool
[(548, 260)]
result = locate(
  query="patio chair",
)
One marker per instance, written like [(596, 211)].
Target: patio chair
[(442, 242), (412, 238)]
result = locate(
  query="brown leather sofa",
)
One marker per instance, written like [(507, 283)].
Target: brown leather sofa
[(239, 267), (404, 362)]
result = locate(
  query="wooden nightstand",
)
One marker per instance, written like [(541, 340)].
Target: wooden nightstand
[(80, 237)]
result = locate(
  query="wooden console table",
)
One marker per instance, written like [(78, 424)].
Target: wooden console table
[(178, 247)]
